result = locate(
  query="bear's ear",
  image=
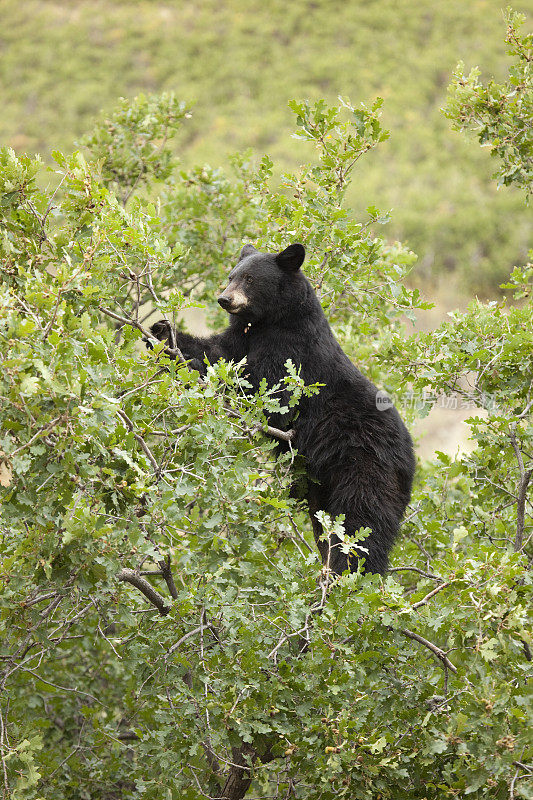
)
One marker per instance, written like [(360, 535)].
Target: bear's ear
[(292, 258), (247, 250)]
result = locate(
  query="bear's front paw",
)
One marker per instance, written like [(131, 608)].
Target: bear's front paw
[(161, 330)]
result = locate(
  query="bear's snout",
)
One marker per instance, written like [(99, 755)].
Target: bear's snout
[(233, 301), (225, 302)]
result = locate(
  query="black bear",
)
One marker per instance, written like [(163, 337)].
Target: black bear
[(357, 452)]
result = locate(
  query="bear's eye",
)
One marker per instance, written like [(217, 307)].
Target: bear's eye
[(248, 279)]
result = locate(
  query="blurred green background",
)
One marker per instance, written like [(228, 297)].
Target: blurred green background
[(240, 62)]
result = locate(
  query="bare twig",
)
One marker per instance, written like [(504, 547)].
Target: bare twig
[(41, 220), (529, 404), (318, 288), (276, 433), (526, 767), (285, 638), (110, 643), (2, 751), (512, 784), (149, 283), (184, 638), (126, 321)]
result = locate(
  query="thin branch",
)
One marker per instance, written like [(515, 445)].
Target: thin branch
[(526, 767), (298, 534), (412, 515), (129, 576), (430, 594), (126, 321), (147, 382), (110, 643), (150, 285), (35, 600), (188, 635), (285, 638), (175, 352), (318, 288), (286, 436), (62, 688), (415, 569), (520, 510), (276, 433), (2, 749), (512, 784), (41, 220), (48, 778), (28, 310), (45, 429), (525, 476), (184, 639), (139, 439), (53, 317), (441, 655), (525, 412)]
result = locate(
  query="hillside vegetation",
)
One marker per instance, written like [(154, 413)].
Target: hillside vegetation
[(240, 63)]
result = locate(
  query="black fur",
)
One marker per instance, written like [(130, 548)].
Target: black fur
[(359, 459)]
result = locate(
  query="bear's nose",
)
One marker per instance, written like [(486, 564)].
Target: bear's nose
[(225, 302)]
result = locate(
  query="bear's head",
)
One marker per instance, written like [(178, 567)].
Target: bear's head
[(263, 285)]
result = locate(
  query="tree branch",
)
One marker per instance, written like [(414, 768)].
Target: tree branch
[(430, 594), (174, 352), (277, 433), (239, 776), (188, 635), (61, 688), (441, 655), (139, 439), (129, 576), (53, 317), (166, 572), (415, 569), (40, 432), (525, 476)]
